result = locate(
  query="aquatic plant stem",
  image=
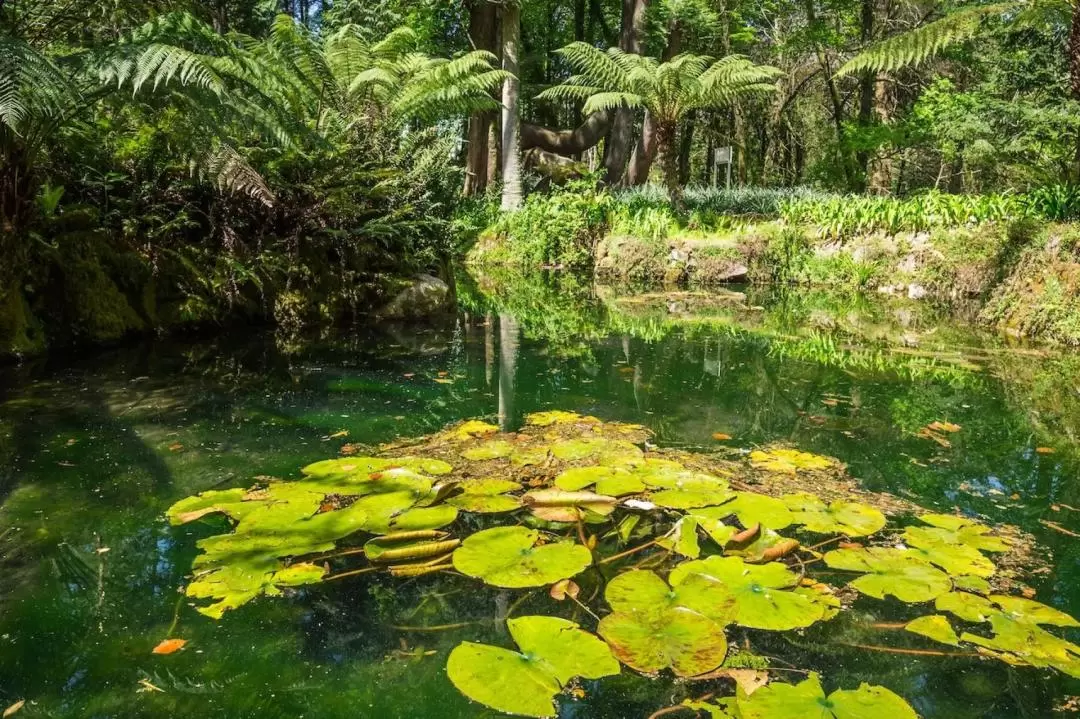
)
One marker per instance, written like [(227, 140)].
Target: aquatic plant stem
[(628, 552), (680, 707), (352, 573), (911, 652), (433, 627)]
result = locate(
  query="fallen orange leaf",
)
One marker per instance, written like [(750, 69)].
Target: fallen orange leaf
[(14, 708), (720, 436), (943, 427), (1044, 450), (175, 447), (169, 646)]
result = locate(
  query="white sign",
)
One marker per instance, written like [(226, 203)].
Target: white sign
[(723, 155)]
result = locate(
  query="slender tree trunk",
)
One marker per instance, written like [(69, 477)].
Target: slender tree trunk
[(669, 162), (644, 153), (686, 144), (621, 138), (881, 168), (511, 118), (482, 33), (579, 20), (866, 86)]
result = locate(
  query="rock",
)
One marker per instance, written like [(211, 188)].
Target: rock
[(426, 296), (916, 292)]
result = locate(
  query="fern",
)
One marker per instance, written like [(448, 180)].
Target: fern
[(31, 85), (918, 45)]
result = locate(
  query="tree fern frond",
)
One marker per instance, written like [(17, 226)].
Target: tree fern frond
[(228, 169), (918, 45), (603, 101), (600, 66)]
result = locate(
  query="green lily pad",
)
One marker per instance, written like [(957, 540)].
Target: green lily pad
[(969, 607), (553, 651), (225, 501), (954, 558), (789, 461), (488, 486), (556, 416), (716, 529), (1029, 611), (889, 571), (236, 584), (508, 557), (611, 481), (934, 627), (751, 508), (1019, 640), (609, 452), (967, 531), (689, 498), (807, 699), (492, 449), (683, 539), (367, 465), (849, 518), (485, 504), (397, 549), (767, 546), (753, 596), (649, 630), (968, 583), (474, 428), (555, 505), (416, 519), (529, 456)]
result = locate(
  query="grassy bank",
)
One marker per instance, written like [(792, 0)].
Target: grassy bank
[(1016, 256)]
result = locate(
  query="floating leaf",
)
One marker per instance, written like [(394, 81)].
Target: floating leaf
[(508, 557), (767, 546), (474, 428), (484, 503), (889, 571), (789, 461), (564, 588), (689, 498), (403, 548), (610, 452), (934, 627), (751, 508), (553, 651), (492, 449), (753, 596), (716, 529), (546, 419), (555, 505), (168, 646), (366, 465), (529, 456), (965, 531), (236, 584), (968, 607), (807, 699), (936, 546), (683, 539), (649, 630), (943, 427), (850, 518), (612, 481), (968, 583), (721, 437), (224, 501)]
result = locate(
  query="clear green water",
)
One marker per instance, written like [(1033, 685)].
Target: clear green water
[(93, 449)]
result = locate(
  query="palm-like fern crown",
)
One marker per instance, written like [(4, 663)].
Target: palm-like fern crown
[(923, 43), (614, 78)]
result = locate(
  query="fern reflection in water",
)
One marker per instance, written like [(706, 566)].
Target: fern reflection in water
[(303, 532)]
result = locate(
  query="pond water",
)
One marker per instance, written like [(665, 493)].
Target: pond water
[(94, 448)]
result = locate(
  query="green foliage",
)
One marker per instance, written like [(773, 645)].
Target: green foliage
[(559, 228)]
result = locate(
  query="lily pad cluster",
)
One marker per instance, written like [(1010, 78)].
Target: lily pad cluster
[(570, 500)]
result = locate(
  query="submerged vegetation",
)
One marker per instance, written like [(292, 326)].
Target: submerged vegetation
[(663, 553)]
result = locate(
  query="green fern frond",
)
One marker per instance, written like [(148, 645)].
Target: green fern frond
[(603, 101), (916, 46), (228, 169)]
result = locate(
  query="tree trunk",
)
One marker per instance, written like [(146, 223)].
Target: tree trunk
[(566, 142), (621, 139), (669, 162), (644, 153), (483, 36), (881, 169), (511, 155), (686, 144), (866, 86)]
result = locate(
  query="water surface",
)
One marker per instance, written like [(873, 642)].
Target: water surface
[(94, 448)]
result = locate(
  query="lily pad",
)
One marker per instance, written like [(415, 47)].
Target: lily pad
[(492, 449), (225, 501), (716, 529), (935, 546), (236, 584), (474, 428), (509, 557), (807, 699), (689, 498), (485, 503), (612, 481), (609, 452), (553, 651), (766, 547), (649, 630), (850, 518), (366, 465), (969, 607), (683, 539), (753, 596), (557, 416), (789, 461), (967, 531), (751, 508), (934, 627), (555, 505), (889, 571)]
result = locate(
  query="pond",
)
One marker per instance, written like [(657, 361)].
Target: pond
[(95, 448)]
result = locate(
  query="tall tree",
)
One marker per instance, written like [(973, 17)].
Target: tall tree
[(511, 111), (667, 91), (483, 35), (620, 140)]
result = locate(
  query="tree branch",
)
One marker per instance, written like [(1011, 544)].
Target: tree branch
[(566, 142)]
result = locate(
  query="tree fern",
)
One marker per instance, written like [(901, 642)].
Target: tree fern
[(916, 46), (31, 85)]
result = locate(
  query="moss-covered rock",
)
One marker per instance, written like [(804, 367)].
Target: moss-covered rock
[(20, 331)]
